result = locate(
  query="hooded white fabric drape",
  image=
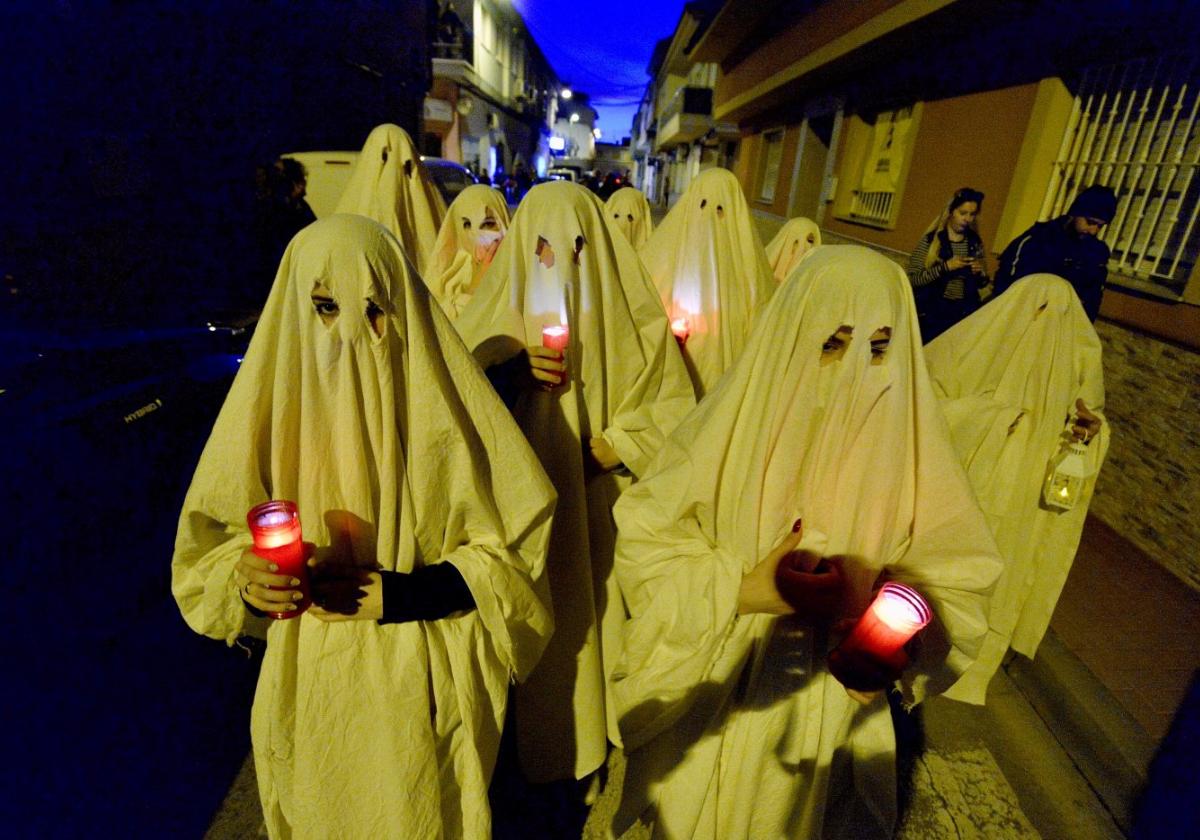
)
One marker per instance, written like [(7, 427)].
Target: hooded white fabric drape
[(1008, 377), (733, 726), (393, 446), (627, 384), (388, 184), (629, 212), (709, 266), (454, 267), (794, 242)]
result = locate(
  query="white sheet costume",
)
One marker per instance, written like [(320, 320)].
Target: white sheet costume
[(709, 266), (733, 726), (393, 446), (1008, 377), (794, 242), (456, 266), (388, 184), (628, 211), (628, 385)]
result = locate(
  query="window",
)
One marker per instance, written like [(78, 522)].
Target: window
[(772, 155), (1135, 129)]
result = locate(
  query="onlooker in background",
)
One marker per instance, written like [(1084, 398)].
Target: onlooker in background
[(794, 242), (948, 267), (280, 213), (1068, 247)]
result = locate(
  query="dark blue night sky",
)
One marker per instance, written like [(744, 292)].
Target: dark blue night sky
[(604, 50)]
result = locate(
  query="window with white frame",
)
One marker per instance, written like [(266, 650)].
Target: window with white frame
[(1134, 128), (772, 155)]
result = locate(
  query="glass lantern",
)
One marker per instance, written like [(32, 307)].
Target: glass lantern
[(1065, 476)]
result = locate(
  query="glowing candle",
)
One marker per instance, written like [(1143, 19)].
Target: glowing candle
[(557, 337), (1065, 477), (877, 641), (275, 526), (682, 329)]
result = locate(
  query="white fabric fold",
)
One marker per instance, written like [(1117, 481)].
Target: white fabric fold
[(733, 726), (395, 448), (627, 384), (1007, 378)]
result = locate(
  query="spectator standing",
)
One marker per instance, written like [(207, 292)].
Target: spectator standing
[(1066, 246), (948, 267)]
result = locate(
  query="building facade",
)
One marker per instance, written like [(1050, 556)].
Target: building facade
[(494, 95)]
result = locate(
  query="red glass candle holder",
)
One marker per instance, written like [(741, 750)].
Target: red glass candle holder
[(876, 644), (557, 337), (275, 526), (682, 328)]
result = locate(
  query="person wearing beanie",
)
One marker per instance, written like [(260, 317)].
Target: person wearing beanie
[(1067, 246)]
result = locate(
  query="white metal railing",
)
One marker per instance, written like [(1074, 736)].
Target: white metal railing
[(872, 207), (1134, 128)]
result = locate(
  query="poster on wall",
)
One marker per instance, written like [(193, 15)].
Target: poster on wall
[(889, 143)]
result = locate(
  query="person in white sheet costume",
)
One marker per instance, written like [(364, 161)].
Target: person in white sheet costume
[(733, 726), (794, 242), (709, 266), (626, 388), (1008, 377), (370, 414), (388, 184), (628, 211), (467, 242)]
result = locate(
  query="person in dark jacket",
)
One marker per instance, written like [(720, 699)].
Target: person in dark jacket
[(1067, 246), (948, 268)]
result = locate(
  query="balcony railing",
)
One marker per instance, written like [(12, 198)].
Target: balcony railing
[(696, 101)]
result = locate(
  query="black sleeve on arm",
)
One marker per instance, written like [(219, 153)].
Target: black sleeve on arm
[(508, 377), (425, 594)]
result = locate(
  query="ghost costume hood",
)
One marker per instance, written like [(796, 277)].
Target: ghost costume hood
[(1008, 377), (455, 267), (794, 242), (733, 725), (374, 419), (629, 212), (708, 265), (388, 184), (627, 384)]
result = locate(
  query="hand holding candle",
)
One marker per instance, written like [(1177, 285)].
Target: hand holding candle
[(278, 584), (547, 363), (873, 655)]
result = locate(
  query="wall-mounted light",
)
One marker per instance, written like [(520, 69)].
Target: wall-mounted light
[(575, 118), (567, 93)]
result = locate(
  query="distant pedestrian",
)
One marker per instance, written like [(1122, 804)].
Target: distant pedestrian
[(1067, 246), (948, 267)]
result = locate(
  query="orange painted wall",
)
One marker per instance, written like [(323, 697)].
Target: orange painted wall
[(826, 23), (966, 141)]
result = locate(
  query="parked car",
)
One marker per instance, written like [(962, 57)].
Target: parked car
[(328, 173), (451, 178), (563, 173)]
